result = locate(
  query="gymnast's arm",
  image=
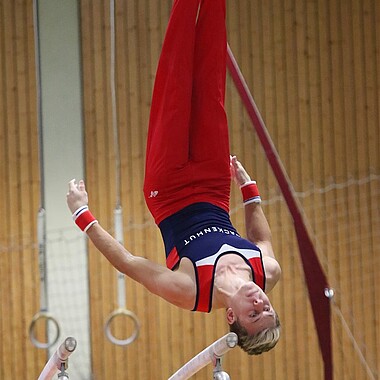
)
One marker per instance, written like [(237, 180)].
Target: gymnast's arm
[(257, 227), (173, 286)]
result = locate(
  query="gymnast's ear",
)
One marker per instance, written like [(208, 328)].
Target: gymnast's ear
[(231, 318)]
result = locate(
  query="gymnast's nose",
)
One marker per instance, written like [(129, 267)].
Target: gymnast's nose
[(258, 305)]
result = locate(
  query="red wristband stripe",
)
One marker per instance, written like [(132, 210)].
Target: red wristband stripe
[(85, 220), (250, 192)]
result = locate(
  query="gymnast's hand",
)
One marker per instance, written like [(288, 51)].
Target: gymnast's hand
[(238, 173), (77, 195)]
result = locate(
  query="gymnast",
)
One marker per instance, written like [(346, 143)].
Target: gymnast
[(187, 189)]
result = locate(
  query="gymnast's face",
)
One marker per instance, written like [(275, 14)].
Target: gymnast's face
[(251, 306)]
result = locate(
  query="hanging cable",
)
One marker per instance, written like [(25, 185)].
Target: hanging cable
[(118, 212), (43, 314), (113, 103), (355, 344)]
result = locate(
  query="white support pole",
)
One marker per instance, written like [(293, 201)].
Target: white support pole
[(59, 358), (207, 356)]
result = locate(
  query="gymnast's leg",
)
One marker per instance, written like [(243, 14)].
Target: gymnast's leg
[(188, 149), (167, 169), (209, 143)]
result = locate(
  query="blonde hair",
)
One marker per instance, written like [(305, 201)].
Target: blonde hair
[(261, 342)]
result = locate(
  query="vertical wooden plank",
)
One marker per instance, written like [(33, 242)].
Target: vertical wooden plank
[(316, 120), (284, 240), (4, 254), (15, 257), (338, 168), (155, 247), (292, 278), (286, 365), (34, 358), (317, 31), (165, 350), (355, 160), (138, 72), (4, 344), (254, 159), (122, 326), (96, 164), (13, 168), (125, 357), (363, 74), (23, 292), (372, 58), (269, 112), (305, 173), (89, 128), (314, 171), (106, 168), (89, 133), (136, 239), (293, 169), (328, 226), (315, 205)]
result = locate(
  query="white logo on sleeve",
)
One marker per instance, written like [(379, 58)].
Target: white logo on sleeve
[(153, 194)]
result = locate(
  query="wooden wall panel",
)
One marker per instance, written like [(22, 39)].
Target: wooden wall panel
[(19, 192)]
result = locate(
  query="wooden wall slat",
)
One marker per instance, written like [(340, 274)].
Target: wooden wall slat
[(104, 197), (14, 197), (312, 125), (122, 123), (374, 141), (30, 195), (358, 160), (22, 157), (4, 256), (363, 158), (3, 186), (301, 169), (328, 208), (285, 366), (291, 89)]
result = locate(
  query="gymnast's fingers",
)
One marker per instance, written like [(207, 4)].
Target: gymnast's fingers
[(81, 185), (72, 185)]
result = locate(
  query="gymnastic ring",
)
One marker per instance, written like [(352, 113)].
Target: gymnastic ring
[(35, 319), (135, 334)]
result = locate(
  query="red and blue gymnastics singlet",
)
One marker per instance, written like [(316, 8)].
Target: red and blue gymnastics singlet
[(203, 233)]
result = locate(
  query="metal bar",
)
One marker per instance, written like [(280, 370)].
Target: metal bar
[(207, 356), (59, 358)]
